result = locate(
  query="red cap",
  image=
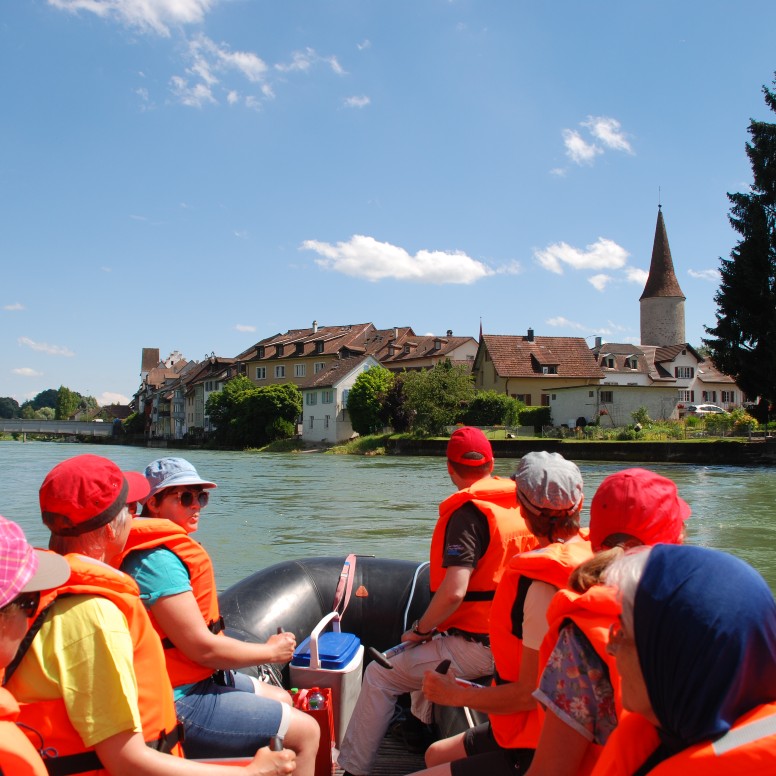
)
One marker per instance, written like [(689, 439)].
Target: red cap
[(637, 503), (84, 493), (464, 442)]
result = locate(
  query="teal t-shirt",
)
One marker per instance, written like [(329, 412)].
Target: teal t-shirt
[(159, 572)]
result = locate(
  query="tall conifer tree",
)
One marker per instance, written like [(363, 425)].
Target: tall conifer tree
[(743, 343)]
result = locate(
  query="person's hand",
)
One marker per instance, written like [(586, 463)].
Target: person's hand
[(267, 763), (410, 635), (283, 646), (440, 688)]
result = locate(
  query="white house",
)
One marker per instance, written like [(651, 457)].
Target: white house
[(324, 400)]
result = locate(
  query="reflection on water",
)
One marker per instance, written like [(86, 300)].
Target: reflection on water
[(273, 507)]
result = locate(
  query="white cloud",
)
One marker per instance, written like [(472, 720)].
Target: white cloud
[(577, 149), (108, 397), (357, 102), (636, 275), (366, 258), (146, 15), (365, 44), (559, 172), (712, 275), (604, 130), (24, 371), (602, 254), (560, 321), (193, 96), (13, 307), (232, 97), (244, 327), (608, 131), (599, 282), (303, 61), (42, 347)]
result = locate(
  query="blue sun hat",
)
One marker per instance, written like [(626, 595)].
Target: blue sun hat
[(172, 473)]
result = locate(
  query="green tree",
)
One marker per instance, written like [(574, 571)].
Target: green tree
[(395, 412), (366, 399), (743, 343), (47, 398), (9, 407), (67, 403), (438, 397), (491, 408), (247, 416)]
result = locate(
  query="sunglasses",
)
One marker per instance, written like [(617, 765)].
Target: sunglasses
[(132, 507), (27, 602), (186, 497)]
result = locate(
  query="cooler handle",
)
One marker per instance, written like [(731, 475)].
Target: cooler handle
[(315, 661)]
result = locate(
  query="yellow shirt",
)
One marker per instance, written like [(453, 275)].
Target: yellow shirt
[(83, 654)]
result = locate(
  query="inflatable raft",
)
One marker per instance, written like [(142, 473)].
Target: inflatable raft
[(386, 596)]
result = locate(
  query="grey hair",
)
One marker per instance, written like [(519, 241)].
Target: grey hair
[(625, 574), (92, 543)]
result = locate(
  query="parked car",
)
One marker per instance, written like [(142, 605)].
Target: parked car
[(699, 410)]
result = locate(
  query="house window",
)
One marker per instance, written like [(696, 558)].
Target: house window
[(312, 422), (609, 363), (327, 397), (319, 346), (685, 372), (278, 350), (260, 351), (300, 370), (686, 395), (631, 363), (299, 348), (728, 397), (606, 397), (319, 366), (326, 421), (710, 396), (261, 372), (549, 370), (345, 395), (311, 397), (545, 400), (525, 398), (280, 371)]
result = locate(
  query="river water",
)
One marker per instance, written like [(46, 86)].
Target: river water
[(272, 507)]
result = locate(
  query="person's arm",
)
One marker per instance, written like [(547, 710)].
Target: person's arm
[(506, 698), (444, 602), (560, 750), (126, 754), (181, 620)]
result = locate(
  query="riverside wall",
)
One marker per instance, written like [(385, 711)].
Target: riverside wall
[(720, 452)]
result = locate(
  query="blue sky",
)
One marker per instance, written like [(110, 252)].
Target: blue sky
[(195, 175)]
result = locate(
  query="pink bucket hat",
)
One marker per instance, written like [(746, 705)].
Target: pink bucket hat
[(24, 569)]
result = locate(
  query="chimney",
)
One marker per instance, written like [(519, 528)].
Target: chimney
[(315, 327), (396, 332), (598, 342), (449, 332), (530, 335)]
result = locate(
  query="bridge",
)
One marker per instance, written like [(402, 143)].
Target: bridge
[(56, 427)]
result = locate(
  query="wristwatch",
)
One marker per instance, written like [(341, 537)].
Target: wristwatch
[(419, 632)]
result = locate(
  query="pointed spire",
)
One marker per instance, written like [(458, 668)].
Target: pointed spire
[(662, 278)]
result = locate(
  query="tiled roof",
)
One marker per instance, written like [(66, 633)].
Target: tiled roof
[(519, 356), (662, 278), (424, 347), (708, 373), (621, 352), (333, 372)]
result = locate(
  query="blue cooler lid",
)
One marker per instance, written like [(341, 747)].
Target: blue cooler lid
[(335, 650)]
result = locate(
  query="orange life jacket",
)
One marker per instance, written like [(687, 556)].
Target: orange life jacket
[(495, 498), (48, 723), (17, 755), (552, 564), (749, 747), (149, 533), (592, 612)]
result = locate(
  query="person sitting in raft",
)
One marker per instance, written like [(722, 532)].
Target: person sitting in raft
[(224, 713), (90, 676), (579, 686), (24, 573), (479, 528), (696, 652), (549, 491)]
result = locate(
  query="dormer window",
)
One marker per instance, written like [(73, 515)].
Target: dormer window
[(278, 350), (631, 362), (299, 348), (319, 346), (609, 363), (406, 349), (437, 344), (260, 351)]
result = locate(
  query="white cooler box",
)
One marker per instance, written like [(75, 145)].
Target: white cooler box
[(334, 660)]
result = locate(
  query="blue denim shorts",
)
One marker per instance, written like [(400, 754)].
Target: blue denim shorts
[(227, 720)]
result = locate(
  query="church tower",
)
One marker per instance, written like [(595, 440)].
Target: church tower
[(662, 303)]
